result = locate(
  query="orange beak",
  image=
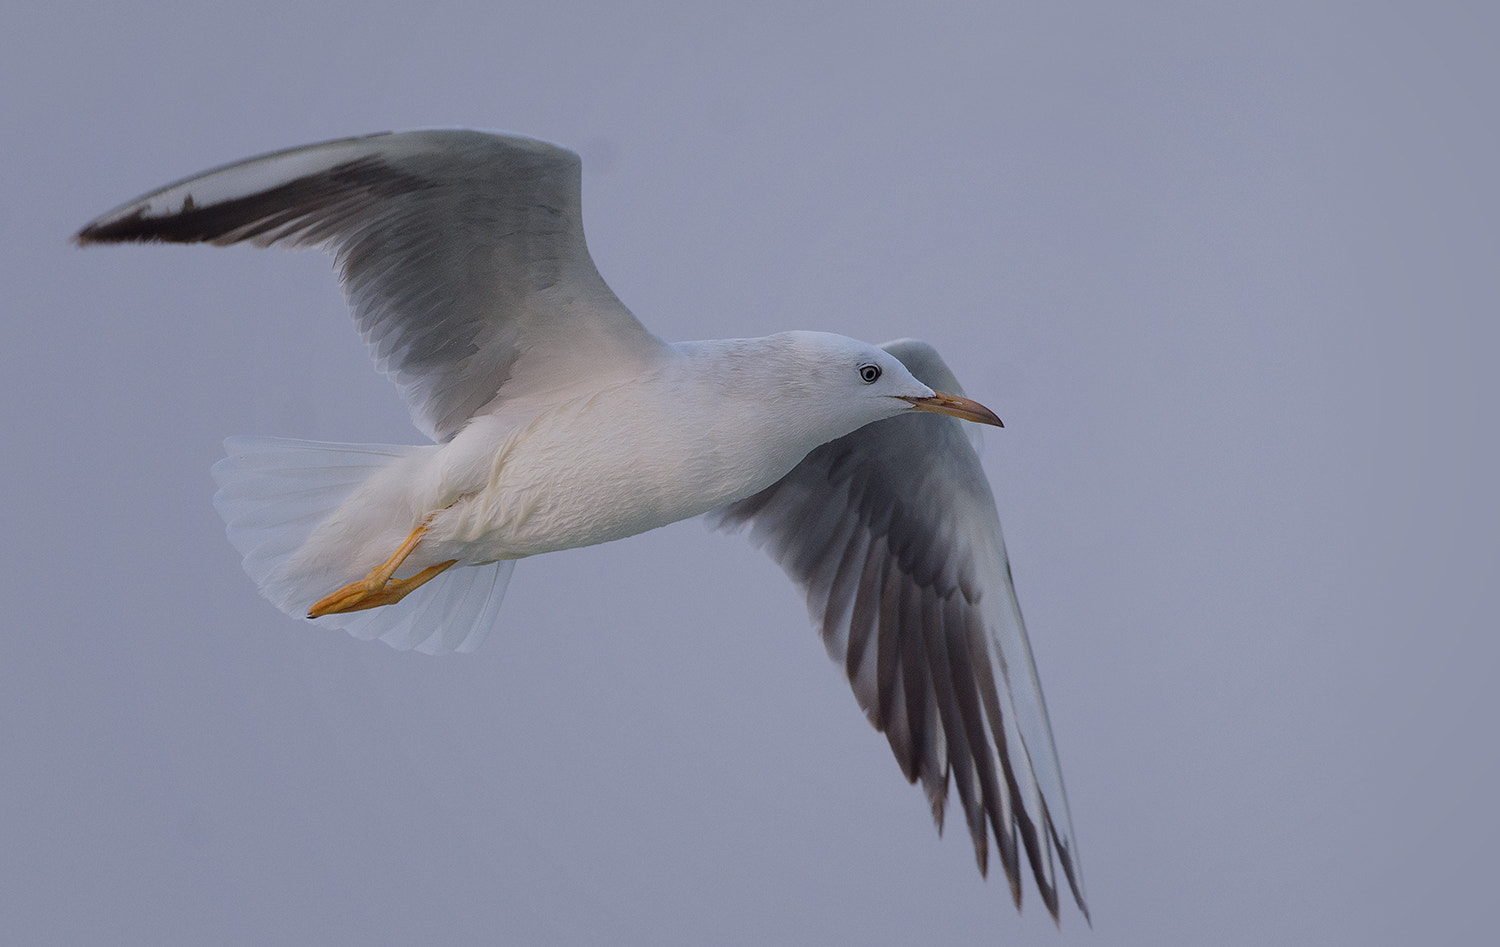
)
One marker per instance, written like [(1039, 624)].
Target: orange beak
[(954, 406)]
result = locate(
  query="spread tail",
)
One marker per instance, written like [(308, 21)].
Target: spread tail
[(274, 492)]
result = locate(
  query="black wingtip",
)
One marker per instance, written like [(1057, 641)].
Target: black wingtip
[(127, 229)]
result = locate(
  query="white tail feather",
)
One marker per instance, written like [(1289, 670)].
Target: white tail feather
[(273, 492)]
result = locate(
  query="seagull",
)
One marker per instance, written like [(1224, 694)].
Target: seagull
[(557, 420)]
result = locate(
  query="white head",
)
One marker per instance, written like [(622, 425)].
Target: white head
[(842, 384), (763, 404)]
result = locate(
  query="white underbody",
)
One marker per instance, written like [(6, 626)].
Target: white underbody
[(585, 468)]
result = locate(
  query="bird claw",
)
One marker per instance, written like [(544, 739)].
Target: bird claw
[(379, 587)]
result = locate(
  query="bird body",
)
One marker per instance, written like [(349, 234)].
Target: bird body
[(559, 421), (613, 459), (673, 445)]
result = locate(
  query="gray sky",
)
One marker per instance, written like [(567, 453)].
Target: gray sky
[(1229, 278)]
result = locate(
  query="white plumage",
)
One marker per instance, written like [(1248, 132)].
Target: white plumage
[(561, 422)]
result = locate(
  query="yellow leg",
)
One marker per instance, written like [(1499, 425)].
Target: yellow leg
[(394, 591), (378, 588)]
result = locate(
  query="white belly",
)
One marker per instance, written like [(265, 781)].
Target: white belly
[(579, 475)]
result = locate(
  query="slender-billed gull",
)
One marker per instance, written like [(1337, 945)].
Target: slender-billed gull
[(559, 421)]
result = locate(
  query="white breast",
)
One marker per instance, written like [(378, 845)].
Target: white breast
[(601, 467)]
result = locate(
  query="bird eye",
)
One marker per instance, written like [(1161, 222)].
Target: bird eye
[(869, 373)]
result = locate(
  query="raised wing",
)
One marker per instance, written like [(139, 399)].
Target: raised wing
[(462, 255), (892, 535)]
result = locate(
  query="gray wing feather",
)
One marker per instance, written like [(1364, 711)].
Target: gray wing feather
[(892, 534), (461, 253)]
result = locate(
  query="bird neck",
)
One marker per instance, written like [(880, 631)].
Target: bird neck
[(752, 399)]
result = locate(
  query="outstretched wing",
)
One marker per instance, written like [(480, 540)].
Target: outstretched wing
[(892, 535), (462, 255)]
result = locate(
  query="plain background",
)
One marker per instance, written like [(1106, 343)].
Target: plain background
[(1228, 273)]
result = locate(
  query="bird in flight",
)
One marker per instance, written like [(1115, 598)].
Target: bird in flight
[(558, 421)]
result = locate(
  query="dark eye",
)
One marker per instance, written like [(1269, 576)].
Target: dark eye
[(869, 373)]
